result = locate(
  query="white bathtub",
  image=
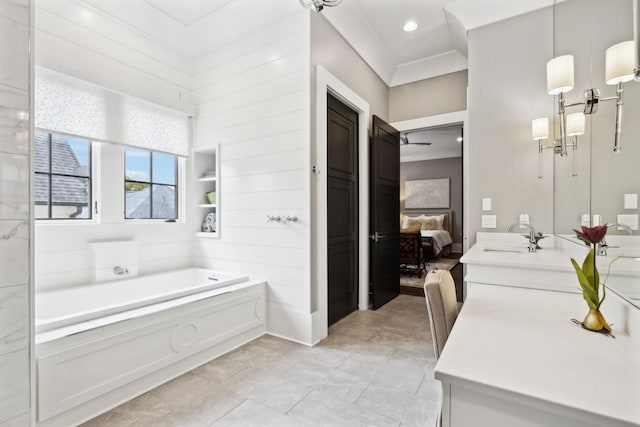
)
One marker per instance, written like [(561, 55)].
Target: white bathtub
[(100, 345), (55, 309)]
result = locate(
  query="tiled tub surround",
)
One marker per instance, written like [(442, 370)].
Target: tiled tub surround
[(374, 369), (89, 367), (15, 296)]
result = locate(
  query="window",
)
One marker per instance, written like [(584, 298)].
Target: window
[(62, 176), (150, 184)]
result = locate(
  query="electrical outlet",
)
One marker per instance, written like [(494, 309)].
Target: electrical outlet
[(486, 205), (524, 219), (489, 221)]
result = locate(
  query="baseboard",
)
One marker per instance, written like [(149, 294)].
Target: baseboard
[(289, 324)]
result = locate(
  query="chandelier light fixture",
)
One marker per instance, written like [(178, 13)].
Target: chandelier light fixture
[(318, 5)]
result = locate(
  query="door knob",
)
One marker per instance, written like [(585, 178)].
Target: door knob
[(376, 236)]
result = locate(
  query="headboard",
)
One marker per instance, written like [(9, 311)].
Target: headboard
[(446, 225)]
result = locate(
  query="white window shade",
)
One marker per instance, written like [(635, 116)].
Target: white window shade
[(73, 106)]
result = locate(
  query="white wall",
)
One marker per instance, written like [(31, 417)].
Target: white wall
[(79, 42), (252, 98), (83, 43), (507, 88), (15, 266)]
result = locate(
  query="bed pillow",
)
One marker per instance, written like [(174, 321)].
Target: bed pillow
[(439, 219), (430, 223), (424, 222)]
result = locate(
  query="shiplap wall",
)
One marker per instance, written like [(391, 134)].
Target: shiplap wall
[(84, 44), (73, 39), (15, 288), (252, 98)]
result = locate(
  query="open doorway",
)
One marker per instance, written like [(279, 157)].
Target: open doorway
[(432, 199)]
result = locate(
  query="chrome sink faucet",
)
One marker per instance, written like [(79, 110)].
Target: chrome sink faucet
[(532, 234), (602, 246)]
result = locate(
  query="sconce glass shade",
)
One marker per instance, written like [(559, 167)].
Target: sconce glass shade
[(575, 123), (560, 75), (619, 63), (540, 128)]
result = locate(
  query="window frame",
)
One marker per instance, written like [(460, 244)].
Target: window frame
[(91, 204), (151, 183)]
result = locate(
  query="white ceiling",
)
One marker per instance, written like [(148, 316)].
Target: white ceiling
[(193, 28), (190, 28), (444, 144), (437, 47)]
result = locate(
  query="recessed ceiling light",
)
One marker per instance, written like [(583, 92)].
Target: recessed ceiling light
[(410, 26)]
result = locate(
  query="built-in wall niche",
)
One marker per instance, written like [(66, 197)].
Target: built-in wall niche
[(206, 191)]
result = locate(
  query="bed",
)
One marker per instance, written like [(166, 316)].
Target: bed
[(435, 229)]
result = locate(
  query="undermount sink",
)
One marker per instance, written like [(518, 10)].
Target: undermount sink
[(504, 248)]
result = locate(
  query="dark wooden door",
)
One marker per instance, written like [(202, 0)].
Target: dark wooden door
[(342, 209), (384, 213)]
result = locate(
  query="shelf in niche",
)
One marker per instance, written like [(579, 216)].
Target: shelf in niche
[(208, 179), (206, 205), (207, 235)]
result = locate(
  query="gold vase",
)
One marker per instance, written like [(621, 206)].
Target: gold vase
[(595, 321)]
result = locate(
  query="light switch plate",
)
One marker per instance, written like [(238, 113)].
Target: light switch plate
[(489, 221), (524, 219), (486, 205), (630, 220), (597, 220), (631, 201)]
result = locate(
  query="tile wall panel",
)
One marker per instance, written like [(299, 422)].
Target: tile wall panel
[(15, 298)]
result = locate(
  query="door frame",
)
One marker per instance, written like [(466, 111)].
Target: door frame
[(443, 120), (327, 82)]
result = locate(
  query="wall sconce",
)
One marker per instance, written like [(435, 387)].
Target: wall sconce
[(619, 69), (575, 124)]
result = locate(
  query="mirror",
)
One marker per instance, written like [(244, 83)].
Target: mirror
[(601, 181)]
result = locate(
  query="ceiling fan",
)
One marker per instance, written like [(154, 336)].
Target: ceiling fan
[(404, 140), (318, 5)]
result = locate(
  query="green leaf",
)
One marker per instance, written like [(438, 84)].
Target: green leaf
[(591, 272), (588, 293)]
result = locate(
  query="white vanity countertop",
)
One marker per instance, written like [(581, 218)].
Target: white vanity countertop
[(521, 344), (547, 258), (503, 249)]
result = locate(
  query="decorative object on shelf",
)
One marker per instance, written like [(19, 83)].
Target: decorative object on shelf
[(589, 279), (211, 197), (209, 224), (538, 236), (210, 174)]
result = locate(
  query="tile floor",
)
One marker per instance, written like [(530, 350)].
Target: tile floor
[(374, 369)]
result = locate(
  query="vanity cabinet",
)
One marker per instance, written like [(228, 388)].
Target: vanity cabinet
[(514, 358), (206, 193)]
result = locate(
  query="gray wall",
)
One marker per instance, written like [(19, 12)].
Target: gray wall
[(440, 168), (15, 223), (330, 50), (439, 95), (507, 88)]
